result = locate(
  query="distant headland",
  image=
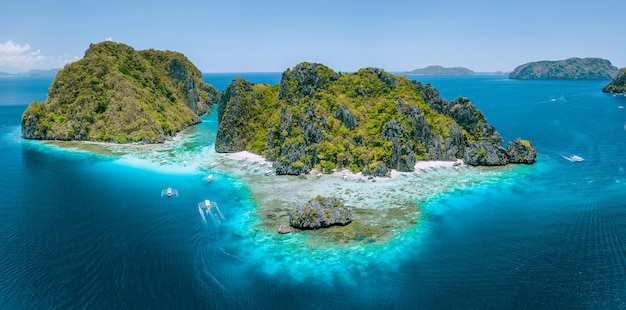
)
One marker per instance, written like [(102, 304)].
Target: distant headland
[(117, 94), (369, 121), (568, 69), (32, 73), (439, 70)]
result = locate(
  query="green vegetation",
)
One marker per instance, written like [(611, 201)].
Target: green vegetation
[(317, 118), (117, 94)]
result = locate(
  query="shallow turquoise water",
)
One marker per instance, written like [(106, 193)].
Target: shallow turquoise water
[(82, 230)]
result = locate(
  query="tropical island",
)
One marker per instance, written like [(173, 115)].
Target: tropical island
[(439, 70), (116, 94), (568, 69), (618, 84), (369, 121)]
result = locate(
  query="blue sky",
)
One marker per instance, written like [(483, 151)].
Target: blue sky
[(270, 36)]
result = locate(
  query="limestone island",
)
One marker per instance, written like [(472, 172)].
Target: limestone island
[(618, 85), (439, 70), (117, 94), (368, 121), (568, 69)]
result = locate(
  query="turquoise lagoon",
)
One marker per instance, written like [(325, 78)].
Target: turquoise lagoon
[(85, 230)]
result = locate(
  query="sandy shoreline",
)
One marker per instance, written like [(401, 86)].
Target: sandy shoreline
[(420, 167)]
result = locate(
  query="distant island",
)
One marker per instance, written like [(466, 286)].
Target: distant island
[(618, 85), (34, 72), (569, 69), (439, 70), (117, 94), (368, 121)]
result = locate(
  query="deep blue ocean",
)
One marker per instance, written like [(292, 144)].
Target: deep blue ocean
[(81, 230)]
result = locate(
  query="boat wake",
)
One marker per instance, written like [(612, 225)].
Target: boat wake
[(574, 158), (210, 209)]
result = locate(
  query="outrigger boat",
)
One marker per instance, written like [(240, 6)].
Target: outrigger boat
[(169, 192)]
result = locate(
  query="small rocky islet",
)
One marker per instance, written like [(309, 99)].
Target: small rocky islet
[(368, 121)]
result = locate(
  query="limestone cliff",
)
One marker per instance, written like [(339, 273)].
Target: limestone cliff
[(568, 69), (618, 85), (320, 212), (117, 94), (367, 121)]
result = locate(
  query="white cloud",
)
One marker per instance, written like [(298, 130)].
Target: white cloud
[(18, 58)]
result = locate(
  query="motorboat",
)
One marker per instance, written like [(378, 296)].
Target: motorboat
[(163, 162), (577, 158), (215, 164), (574, 158), (209, 178)]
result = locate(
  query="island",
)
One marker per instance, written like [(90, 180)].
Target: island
[(618, 84), (368, 121), (439, 70), (117, 94), (568, 69)]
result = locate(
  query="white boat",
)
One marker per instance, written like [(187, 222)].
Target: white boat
[(345, 177), (169, 192), (244, 166), (268, 172), (577, 158), (163, 162), (184, 163), (211, 209), (319, 175), (209, 178), (215, 164)]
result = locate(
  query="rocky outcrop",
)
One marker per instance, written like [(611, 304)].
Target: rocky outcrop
[(618, 85), (484, 153), (117, 94), (233, 130), (568, 69), (381, 170), (521, 152), (320, 212)]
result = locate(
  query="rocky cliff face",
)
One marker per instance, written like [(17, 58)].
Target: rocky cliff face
[(320, 212), (569, 69), (618, 85), (368, 121), (117, 94)]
